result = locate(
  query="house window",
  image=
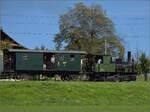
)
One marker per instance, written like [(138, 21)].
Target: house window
[(72, 57)]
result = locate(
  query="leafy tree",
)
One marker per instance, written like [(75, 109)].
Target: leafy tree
[(37, 48), (5, 45), (144, 65), (41, 48), (88, 29)]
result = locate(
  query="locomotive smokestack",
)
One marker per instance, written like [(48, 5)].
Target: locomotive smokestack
[(129, 56)]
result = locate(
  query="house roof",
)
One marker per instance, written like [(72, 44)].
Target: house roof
[(13, 43)]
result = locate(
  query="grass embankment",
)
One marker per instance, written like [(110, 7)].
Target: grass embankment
[(74, 96)]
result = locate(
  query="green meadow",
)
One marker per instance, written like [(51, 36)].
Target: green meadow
[(50, 96)]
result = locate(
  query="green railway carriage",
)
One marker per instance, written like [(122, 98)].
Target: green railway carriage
[(38, 60)]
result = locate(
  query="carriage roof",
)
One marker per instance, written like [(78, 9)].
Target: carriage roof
[(47, 51)]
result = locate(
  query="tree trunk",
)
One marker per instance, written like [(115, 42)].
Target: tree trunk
[(145, 77)]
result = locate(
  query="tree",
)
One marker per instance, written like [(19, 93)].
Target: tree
[(88, 29), (144, 65), (41, 48), (5, 45), (37, 48)]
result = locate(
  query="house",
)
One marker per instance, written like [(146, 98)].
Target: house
[(5, 37)]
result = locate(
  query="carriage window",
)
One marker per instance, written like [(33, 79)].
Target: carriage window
[(62, 57), (71, 57), (25, 57)]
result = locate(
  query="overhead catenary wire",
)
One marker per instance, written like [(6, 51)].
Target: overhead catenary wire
[(46, 23), (22, 35), (31, 33), (57, 16), (47, 33), (51, 17), (29, 16)]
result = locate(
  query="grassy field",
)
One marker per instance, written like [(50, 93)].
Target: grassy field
[(141, 78), (74, 96)]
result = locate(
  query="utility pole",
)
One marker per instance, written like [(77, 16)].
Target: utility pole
[(105, 46), (105, 36)]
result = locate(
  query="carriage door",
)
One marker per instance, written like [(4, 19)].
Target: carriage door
[(61, 62)]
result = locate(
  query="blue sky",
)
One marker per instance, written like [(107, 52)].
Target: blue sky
[(35, 22)]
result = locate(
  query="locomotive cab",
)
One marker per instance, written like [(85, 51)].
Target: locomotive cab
[(101, 63), (107, 65)]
